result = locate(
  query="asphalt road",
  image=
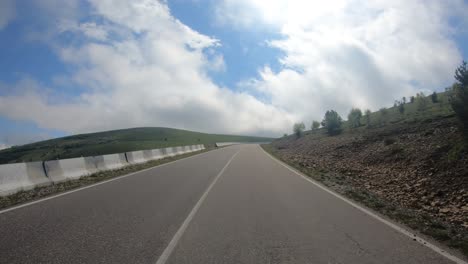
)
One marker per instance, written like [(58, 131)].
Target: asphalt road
[(232, 205)]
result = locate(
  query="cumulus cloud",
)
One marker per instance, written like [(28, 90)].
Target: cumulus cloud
[(142, 67), (346, 53), (7, 12)]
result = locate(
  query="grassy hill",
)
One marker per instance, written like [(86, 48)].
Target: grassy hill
[(115, 141)]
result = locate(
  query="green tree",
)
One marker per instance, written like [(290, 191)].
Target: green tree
[(315, 125), (461, 74), (298, 129), (383, 116), (434, 97), (412, 99), (421, 101), (459, 97), (367, 114), (401, 107), (332, 122), (354, 117)]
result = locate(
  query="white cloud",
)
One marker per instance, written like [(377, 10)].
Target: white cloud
[(345, 53), (93, 31), (3, 146), (7, 12), (152, 72)]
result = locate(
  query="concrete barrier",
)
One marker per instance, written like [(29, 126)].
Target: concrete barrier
[(136, 157), (25, 176), (157, 154), (170, 152), (148, 154), (186, 149), (224, 144), (179, 150), (21, 177), (67, 169), (110, 162)]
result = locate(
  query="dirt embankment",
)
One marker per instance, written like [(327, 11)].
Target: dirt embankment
[(420, 165)]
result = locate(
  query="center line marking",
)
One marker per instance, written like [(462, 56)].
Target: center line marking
[(170, 247)]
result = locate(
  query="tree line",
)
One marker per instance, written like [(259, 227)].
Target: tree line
[(457, 99)]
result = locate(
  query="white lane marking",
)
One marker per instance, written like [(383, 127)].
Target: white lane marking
[(99, 183), (171, 246), (362, 209)]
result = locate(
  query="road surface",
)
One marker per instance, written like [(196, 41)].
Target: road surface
[(232, 205)]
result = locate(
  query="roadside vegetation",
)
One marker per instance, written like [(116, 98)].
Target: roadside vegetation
[(332, 122), (315, 125), (458, 97), (299, 129), (408, 161), (354, 118)]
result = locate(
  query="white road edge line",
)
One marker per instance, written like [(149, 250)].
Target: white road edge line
[(175, 239), (368, 212), (96, 184)]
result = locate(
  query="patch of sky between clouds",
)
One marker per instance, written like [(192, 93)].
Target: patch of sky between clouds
[(461, 36), (25, 59)]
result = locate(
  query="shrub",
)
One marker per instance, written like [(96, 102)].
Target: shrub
[(421, 101), (456, 153), (461, 74), (401, 108), (459, 97), (368, 118), (354, 118), (298, 129), (434, 97), (332, 122), (383, 116), (383, 111), (315, 125)]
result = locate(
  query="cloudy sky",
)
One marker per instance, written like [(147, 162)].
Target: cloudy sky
[(222, 66)]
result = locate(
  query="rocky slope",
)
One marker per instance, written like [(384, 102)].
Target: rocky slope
[(418, 165)]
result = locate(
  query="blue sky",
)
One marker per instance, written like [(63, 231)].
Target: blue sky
[(244, 51), (238, 67)]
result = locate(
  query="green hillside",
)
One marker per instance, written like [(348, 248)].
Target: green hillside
[(115, 141), (423, 109)]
